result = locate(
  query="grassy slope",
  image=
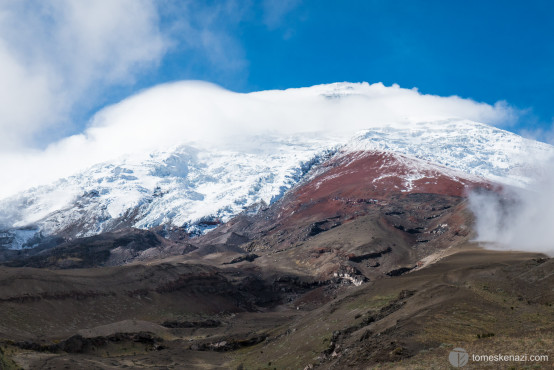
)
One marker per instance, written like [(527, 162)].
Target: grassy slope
[(459, 302)]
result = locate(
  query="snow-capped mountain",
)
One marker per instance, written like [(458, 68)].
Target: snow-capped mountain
[(197, 187), (471, 147), (181, 187)]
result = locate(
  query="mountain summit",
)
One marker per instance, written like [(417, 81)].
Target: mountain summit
[(195, 189), (334, 241)]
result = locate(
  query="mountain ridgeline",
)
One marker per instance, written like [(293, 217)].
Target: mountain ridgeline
[(324, 253), (187, 190)]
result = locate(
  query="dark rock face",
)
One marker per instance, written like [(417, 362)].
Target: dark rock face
[(248, 257), (335, 274), (399, 271), (229, 344), (322, 226), (93, 251), (79, 344), (367, 256), (192, 324)]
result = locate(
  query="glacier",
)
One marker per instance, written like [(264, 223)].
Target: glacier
[(183, 187), (471, 147), (197, 187)]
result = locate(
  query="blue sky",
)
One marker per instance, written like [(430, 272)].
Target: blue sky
[(65, 65), (62, 61), (484, 50)]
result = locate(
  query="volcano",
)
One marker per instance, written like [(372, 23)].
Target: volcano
[(296, 252)]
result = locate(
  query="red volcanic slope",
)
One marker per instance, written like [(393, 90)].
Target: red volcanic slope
[(357, 178)]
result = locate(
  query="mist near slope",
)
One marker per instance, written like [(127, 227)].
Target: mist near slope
[(517, 219), (205, 115)]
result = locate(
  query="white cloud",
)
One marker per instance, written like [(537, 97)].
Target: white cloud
[(26, 100), (58, 58), (517, 219), (57, 54), (275, 11), (205, 34), (542, 134), (206, 115)]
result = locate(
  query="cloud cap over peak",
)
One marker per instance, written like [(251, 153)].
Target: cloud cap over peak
[(203, 114)]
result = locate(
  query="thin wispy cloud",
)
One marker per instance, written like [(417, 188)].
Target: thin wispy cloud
[(275, 11), (205, 33), (57, 55), (542, 134), (58, 59)]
